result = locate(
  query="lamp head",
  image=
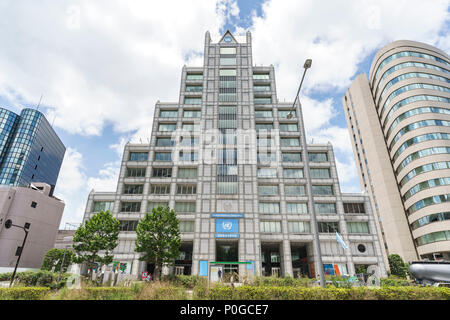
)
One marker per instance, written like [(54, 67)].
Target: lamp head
[(307, 64)]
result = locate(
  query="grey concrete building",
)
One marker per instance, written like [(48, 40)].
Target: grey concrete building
[(32, 205), (230, 161), (399, 121)]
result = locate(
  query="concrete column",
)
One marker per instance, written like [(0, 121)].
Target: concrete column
[(287, 259)]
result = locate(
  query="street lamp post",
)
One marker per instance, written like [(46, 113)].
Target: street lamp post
[(9, 224), (306, 66)]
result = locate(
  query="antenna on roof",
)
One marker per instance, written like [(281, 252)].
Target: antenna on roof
[(37, 107)]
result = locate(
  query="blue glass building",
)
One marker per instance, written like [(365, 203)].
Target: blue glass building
[(30, 150)]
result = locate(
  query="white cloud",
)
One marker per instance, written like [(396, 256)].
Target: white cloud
[(337, 36), (104, 61), (73, 185)]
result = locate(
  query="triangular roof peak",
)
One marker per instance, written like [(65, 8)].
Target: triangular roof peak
[(228, 38)]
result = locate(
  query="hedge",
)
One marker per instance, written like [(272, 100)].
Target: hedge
[(24, 293), (330, 293)]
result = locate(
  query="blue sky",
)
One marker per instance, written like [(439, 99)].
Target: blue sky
[(102, 65)]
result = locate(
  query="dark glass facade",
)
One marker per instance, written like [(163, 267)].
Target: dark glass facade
[(30, 150)]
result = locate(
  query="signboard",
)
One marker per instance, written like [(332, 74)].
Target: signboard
[(227, 235), (227, 226), (203, 268), (227, 215)]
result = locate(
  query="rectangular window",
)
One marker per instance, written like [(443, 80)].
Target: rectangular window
[(296, 208), (130, 207), (328, 227), (189, 141), (192, 100), (227, 61), (191, 127), (320, 173), (291, 157), (103, 206), (227, 72), (168, 114), (262, 100), (227, 187), (192, 113), (354, 208), (269, 207), (261, 88), (160, 189), (318, 157), (357, 227), (282, 114), (188, 156), (270, 226), (322, 190), (266, 157), (227, 50), (135, 172), (187, 173), (154, 204), (325, 208), (184, 207), (288, 127), (263, 114), (262, 142), (167, 127), (186, 226), (264, 126), (138, 156), (227, 97), (227, 170), (163, 156), (260, 76), (192, 88), (162, 172), (267, 173), (186, 189), (268, 190), (33, 204), (133, 188), (294, 190), (128, 225), (298, 227), (290, 142), (293, 173), (194, 76), (164, 142)]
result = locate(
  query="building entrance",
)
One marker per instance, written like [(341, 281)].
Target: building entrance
[(228, 252), (183, 263), (300, 262), (271, 260)]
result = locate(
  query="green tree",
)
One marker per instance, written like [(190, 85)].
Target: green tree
[(57, 259), (95, 240), (397, 266), (158, 238)]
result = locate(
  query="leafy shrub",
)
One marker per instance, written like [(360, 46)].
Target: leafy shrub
[(330, 293), (282, 282), (23, 293), (397, 266), (39, 278), (189, 281), (393, 281)]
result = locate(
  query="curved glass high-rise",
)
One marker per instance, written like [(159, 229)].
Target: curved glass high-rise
[(30, 150), (400, 123)]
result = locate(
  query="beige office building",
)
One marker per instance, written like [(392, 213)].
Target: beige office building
[(35, 206), (399, 123)]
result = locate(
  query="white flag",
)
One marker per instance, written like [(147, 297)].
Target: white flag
[(339, 239)]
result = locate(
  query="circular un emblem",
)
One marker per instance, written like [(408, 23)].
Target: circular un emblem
[(227, 205), (227, 38)]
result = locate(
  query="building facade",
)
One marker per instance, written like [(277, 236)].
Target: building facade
[(30, 150), (32, 205), (230, 161), (399, 121)]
